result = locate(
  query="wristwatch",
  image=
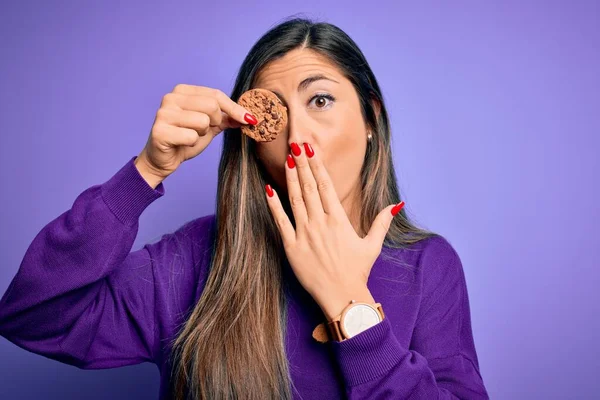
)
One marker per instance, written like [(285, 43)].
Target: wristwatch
[(354, 319)]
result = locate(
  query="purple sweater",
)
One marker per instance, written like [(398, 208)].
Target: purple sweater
[(82, 297)]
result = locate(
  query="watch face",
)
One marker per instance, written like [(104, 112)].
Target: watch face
[(359, 318)]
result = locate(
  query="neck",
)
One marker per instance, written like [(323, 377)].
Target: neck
[(351, 204)]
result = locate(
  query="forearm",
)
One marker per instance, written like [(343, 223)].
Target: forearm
[(374, 364)]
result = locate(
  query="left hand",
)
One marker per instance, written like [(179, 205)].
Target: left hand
[(330, 260)]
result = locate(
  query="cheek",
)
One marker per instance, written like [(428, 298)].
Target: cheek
[(345, 154), (344, 165), (348, 141), (272, 156)]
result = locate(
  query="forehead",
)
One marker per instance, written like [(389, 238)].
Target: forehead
[(295, 66)]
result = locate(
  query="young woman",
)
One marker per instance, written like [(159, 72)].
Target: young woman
[(309, 229)]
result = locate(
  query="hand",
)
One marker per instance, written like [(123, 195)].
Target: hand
[(330, 260), (187, 121)]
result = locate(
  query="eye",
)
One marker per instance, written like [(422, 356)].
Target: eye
[(322, 101)]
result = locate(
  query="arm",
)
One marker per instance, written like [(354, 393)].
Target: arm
[(80, 296), (441, 362)]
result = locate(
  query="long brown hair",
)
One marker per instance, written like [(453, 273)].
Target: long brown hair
[(232, 344)]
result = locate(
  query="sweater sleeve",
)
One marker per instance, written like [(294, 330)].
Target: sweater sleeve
[(80, 296), (441, 362)]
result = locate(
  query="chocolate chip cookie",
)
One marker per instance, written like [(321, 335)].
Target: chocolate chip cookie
[(268, 110)]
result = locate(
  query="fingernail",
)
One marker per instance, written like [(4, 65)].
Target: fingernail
[(296, 149), (269, 190), (251, 119), (396, 209), (290, 161), (309, 150)]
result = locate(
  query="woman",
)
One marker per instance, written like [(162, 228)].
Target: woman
[(232, 305)]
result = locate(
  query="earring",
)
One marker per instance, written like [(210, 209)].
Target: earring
[(369, 136)]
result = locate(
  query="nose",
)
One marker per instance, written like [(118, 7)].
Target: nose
[(298, 130)]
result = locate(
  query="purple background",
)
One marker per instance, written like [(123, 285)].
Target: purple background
[(494, 114)]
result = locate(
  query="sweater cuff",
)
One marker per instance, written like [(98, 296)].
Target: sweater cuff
[(127, 194), (369, 354)]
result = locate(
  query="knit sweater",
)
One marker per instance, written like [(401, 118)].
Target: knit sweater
[(81, 296)]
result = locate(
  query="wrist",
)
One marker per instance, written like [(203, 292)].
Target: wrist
[(333, 305), (152, 179)]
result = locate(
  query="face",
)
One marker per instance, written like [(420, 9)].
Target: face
[(323, 110)]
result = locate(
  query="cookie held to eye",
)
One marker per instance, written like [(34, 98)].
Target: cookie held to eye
[(269, 111)]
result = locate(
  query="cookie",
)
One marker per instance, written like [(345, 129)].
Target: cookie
[(268, 110)]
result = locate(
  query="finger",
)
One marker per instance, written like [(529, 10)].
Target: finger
[(308, 184), (198, 103), (295, 194), (177, 136), (286, 229), (228, 106), (381, 224), (227, 122), (329, 198), (185, 119), (219, 121)]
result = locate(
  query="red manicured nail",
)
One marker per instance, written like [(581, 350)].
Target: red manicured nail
[(251, 119), (296, 149), (396, 209), (269, 190), (309, 150), (290, 161)]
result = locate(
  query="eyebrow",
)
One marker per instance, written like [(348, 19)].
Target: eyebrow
[(311, 79), (305, 84)]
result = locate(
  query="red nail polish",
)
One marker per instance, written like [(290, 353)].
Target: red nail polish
[(251, 119), (290, 161), (269, 190), (396, 209), (309, 150), (296, 149)]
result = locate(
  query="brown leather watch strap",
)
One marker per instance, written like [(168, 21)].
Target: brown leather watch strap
[(320, 333)]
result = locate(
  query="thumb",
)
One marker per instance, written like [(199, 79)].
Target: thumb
[(382, 223)]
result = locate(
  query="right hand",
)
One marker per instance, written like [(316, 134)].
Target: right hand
[(187, 121)]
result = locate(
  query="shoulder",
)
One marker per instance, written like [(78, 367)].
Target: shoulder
[(181, 260), (199, 230), (438, 252), (435, 250), (186, 250), (433, 263), (441, 274), (195, 239)]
